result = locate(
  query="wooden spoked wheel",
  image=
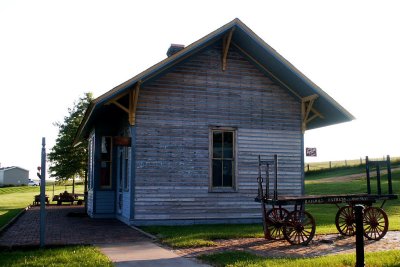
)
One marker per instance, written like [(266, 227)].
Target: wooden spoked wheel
[(299, 228), (376, 223), (345, 221), (276, 221)]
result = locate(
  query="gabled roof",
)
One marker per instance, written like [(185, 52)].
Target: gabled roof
[(258, 52), (12, 167)]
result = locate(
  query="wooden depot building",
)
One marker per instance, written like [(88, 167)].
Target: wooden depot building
[(179, 142)]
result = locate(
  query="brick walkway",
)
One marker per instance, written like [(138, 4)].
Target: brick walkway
[(62, 229)]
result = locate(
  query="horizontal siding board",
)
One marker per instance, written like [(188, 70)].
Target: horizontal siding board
[(173, 119), (105, 202)]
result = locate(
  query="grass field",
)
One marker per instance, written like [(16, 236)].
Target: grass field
[(63, 256), (326, 165), (14, 199)]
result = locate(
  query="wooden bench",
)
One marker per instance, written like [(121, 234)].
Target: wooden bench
[(36, 200)]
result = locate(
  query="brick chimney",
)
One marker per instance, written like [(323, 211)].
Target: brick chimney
[(174, 48)]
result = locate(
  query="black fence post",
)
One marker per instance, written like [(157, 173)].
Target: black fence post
[(359, 210), (389, 174), (368, 177), (330, 164), (378, 179)]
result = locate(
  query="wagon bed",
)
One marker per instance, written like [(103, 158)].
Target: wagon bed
[(328, 199), (298, 226)]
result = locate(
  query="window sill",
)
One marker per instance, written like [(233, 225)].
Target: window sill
[(222, 190)]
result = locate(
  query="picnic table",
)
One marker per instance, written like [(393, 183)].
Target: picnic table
[(67, 197)]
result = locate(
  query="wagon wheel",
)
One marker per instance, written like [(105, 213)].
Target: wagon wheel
[(345, 221), (276, 221), (376, 223), (299, 228)]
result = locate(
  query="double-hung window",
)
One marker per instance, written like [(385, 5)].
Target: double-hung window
[(223, 159)]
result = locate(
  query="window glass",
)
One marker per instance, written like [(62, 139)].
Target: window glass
[(217, 144), (227, 173), (228, 145), (217, 171)]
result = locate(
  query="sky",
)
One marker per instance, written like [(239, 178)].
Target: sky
[(51, 52)]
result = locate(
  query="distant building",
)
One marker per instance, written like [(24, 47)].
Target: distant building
[(13, 176)]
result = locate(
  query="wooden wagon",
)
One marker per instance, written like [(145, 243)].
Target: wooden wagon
[(298, 226)]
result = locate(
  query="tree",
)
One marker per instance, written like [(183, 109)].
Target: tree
[(68, 161)]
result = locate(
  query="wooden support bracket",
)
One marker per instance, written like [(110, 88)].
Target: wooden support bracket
[(306, 110), (225, 48), (133, 100), (120, 106)]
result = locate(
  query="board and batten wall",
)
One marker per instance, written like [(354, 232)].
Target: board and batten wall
[(173, 120)]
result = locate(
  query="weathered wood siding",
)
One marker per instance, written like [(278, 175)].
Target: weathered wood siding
[(90, 203), (173, 121)]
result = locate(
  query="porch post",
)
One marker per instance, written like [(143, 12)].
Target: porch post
[(302, 165), (133, 171)]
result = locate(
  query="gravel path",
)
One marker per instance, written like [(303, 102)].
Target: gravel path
[(320, 246)]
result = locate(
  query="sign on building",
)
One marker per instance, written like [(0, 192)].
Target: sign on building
[(311, 151)]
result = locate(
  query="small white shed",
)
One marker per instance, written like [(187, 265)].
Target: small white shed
[(13, 176)]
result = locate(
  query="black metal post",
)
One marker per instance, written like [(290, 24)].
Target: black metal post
[(378, 179), (276, 177), (359, 210), (261, 197), (389, 174), (368, 177), (267, 181), (260, 191)]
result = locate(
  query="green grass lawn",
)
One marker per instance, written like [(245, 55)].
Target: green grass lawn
[(242, 259), (316, 175), (14, 199), (202, 235), (63, 256)]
